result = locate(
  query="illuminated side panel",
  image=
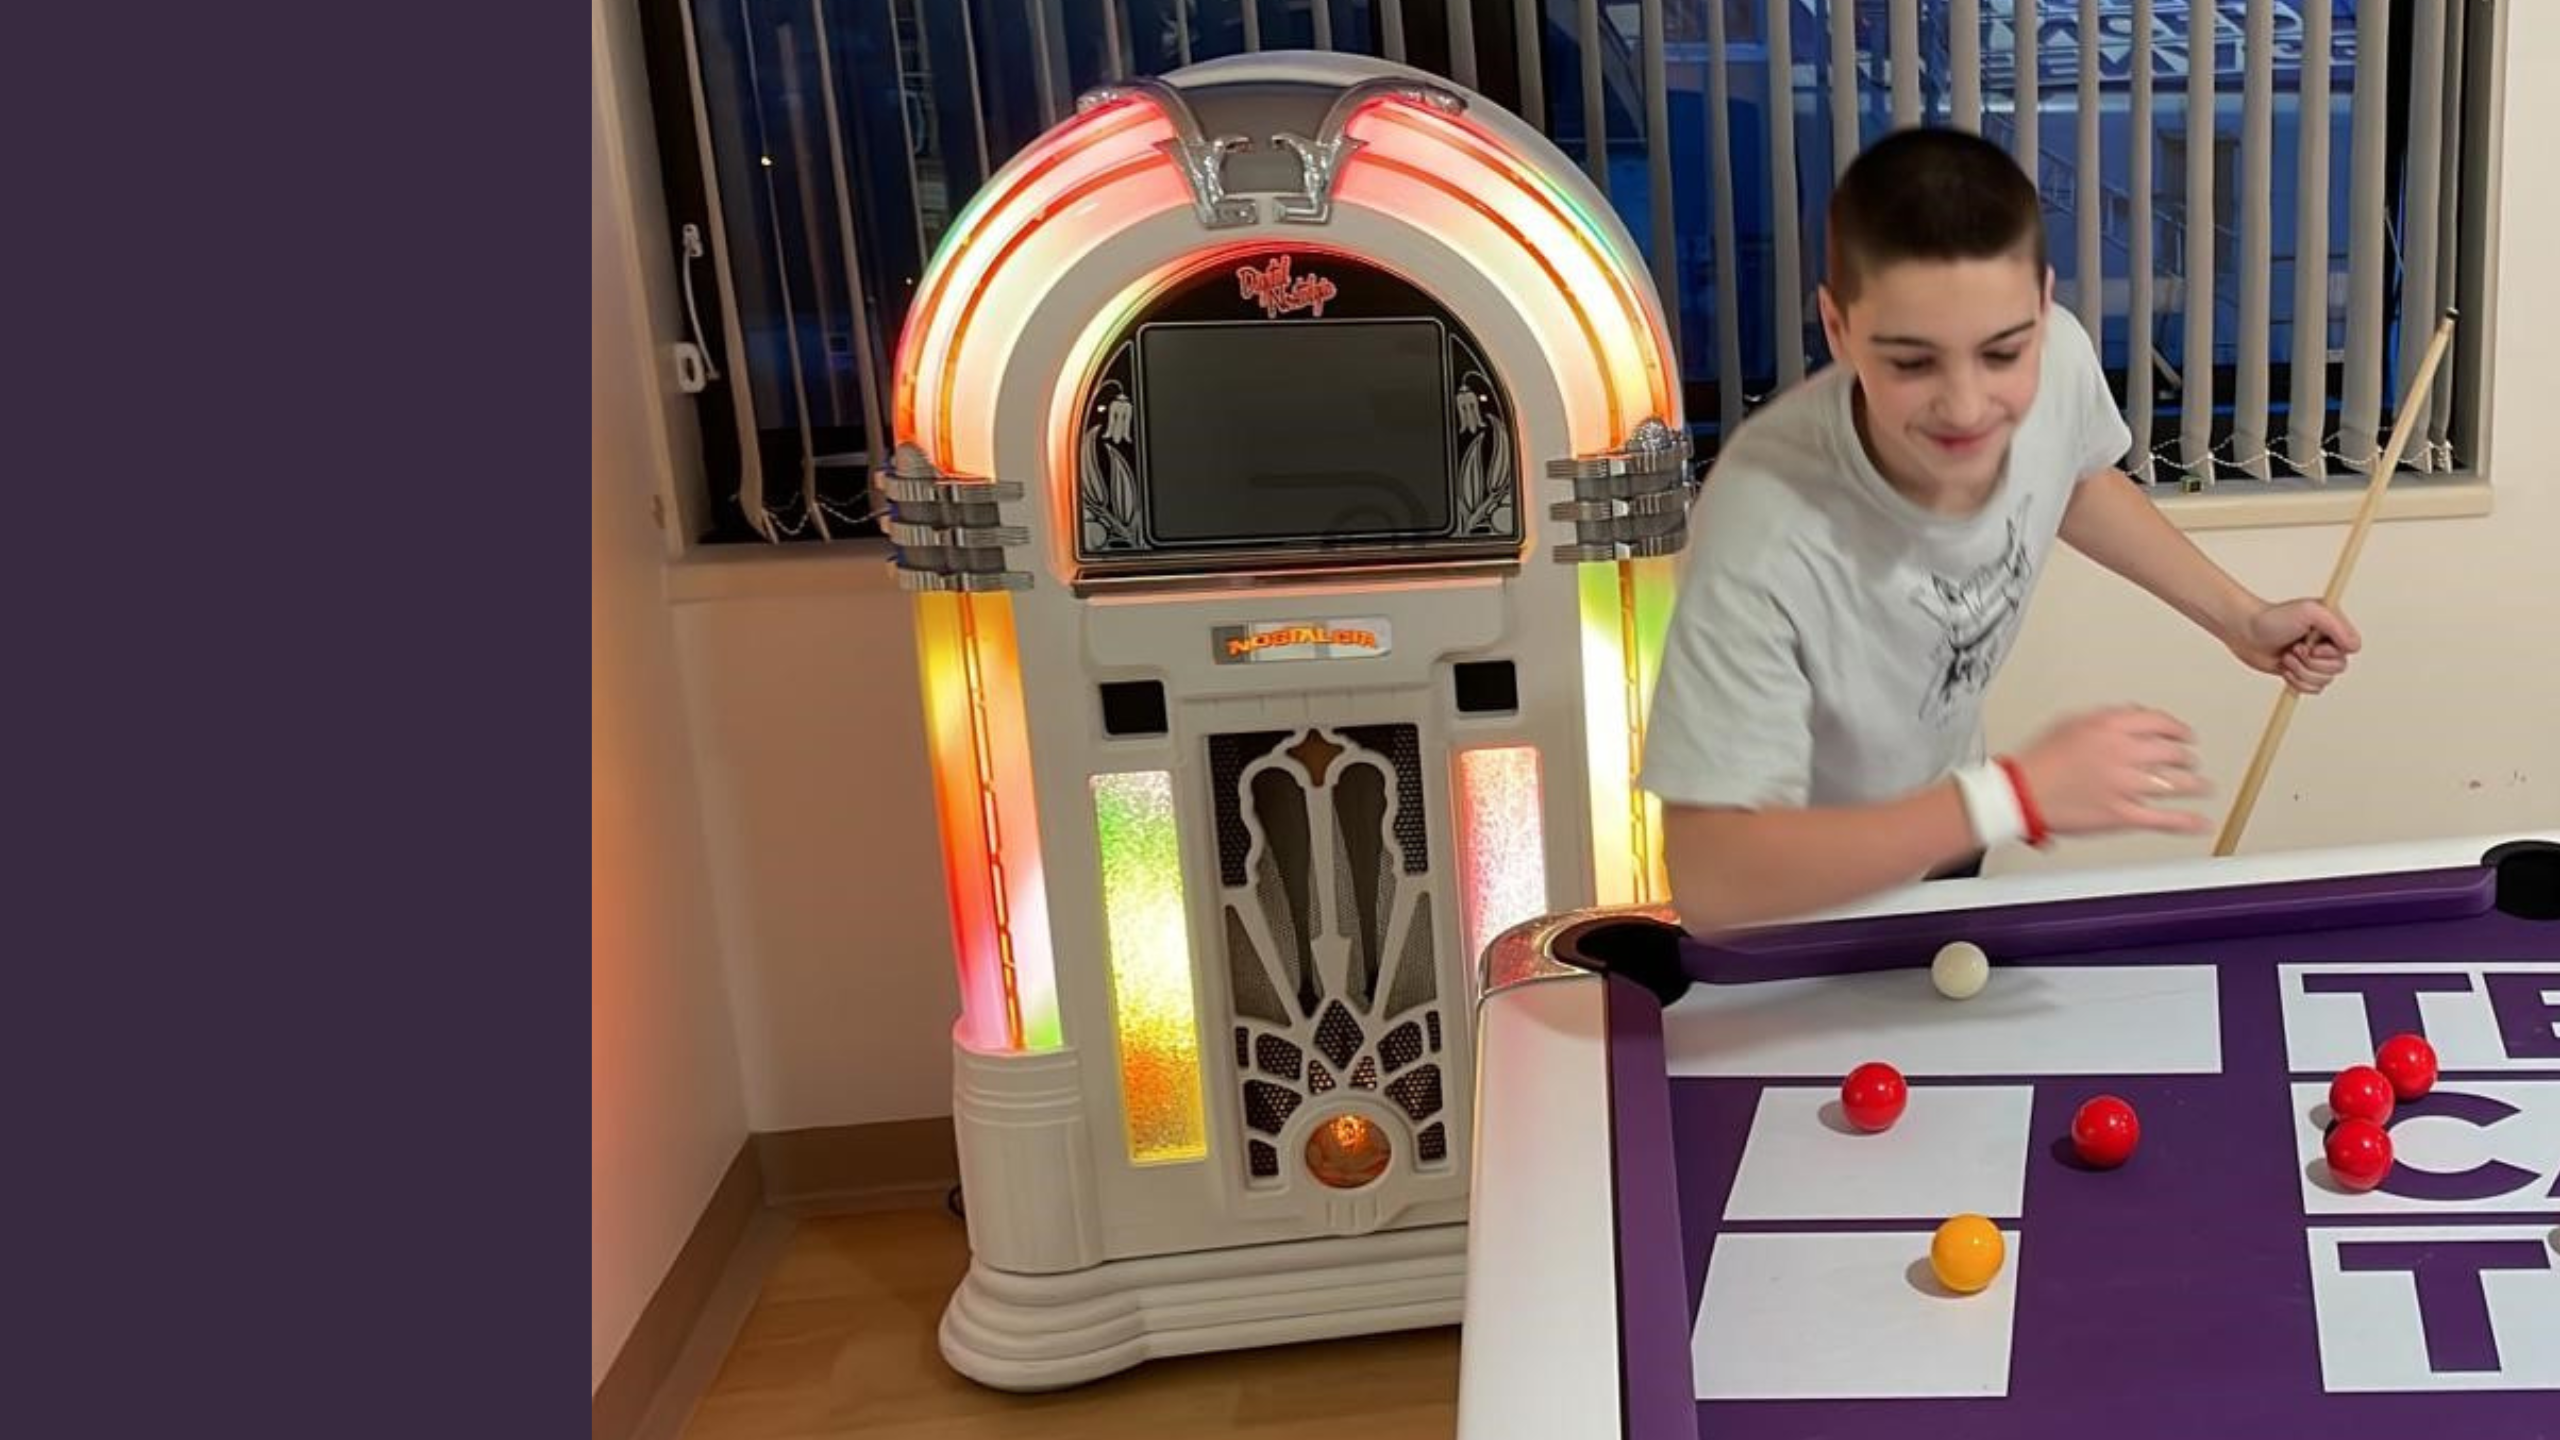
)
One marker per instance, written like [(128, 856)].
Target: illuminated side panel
[(1004, 736), (1626, 609), (1150, 949), (1502, 842), (989, 1020), (1651, 583), (991, 847)]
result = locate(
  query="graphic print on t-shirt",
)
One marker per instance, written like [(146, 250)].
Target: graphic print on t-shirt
[(1976, 615)]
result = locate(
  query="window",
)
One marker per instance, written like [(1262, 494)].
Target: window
[(2262, 240)]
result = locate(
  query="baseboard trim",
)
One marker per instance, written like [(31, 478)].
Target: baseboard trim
[(835, 1168), (674, 1348), (724, 1318), (648, 1355)]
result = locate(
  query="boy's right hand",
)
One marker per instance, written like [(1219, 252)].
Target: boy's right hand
[(2111, 770)]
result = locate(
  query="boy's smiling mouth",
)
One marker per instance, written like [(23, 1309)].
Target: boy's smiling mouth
[(1961, 444)]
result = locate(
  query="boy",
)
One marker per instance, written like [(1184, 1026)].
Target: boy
[(1862, 553)]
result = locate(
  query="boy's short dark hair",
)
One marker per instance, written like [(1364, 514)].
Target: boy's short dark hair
[(1930, 194)]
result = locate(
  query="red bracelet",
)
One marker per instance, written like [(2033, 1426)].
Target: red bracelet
[(2036, 833)]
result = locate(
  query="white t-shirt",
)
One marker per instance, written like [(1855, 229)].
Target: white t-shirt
[(1832, 641)]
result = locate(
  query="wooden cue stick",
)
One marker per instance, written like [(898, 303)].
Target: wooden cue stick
[(2403, 425)]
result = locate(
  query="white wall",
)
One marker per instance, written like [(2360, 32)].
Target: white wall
[(829, 858), (667, 1108), (801, 679)]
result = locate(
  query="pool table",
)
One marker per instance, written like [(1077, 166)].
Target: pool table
[(1676, 1232)]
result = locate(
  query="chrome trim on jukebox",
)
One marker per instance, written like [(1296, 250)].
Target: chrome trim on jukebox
[(1630, 503), (1320, 159), (1201, 159), (946, 531)]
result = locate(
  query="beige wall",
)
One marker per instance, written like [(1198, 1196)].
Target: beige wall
[(667, 1109), (830, 866), (799, 680)]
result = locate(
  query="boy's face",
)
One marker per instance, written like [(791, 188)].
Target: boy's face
[(1947, 354)]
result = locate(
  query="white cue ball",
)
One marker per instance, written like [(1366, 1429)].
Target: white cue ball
[(1961, 970)]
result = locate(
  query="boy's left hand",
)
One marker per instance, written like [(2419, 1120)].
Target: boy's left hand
[(2304, 641)]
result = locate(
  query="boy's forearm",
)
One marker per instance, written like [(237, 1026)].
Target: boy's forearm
[(2112, 522), (1733, 868)]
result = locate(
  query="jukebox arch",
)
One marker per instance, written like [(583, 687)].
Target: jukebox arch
[(1290, 473)]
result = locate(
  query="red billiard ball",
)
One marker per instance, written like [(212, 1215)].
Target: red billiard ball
[(2105, 1132), (2361, 1093), (2410, 1062), (2359, 1153), (1873, 1096)]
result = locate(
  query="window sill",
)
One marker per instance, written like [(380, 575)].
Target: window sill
[(713, 575), (2264, 505)]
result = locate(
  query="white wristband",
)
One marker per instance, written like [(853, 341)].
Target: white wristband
[(1991, 805)]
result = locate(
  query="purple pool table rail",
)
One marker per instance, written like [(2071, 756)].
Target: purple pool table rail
[(2096, 930)]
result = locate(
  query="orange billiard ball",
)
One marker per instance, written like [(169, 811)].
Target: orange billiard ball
[(1967, 1252)]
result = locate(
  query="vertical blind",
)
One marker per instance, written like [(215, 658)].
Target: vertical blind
[(2253, 205)]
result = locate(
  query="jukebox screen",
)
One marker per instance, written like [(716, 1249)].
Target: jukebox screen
[(1333, 430)]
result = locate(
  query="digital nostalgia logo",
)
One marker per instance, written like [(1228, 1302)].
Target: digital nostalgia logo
[(1278, 292), (1268, 641)]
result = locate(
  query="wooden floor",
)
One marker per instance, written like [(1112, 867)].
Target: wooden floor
[(841, 1343)]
